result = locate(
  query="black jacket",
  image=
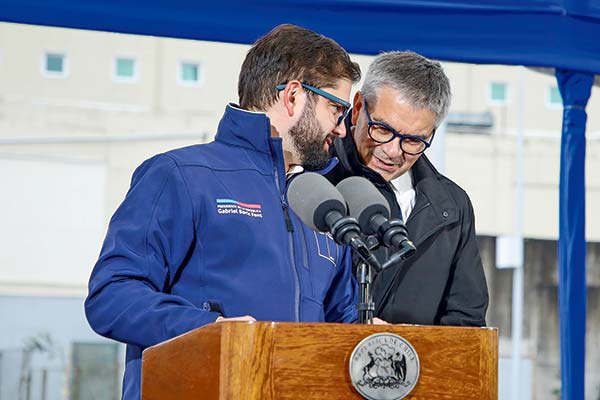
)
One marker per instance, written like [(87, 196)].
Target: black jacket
[(443, 283)]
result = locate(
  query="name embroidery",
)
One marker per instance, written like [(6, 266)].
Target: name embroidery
[(229, 206)]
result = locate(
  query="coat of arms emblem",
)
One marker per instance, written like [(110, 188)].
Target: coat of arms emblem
[(384, 366)]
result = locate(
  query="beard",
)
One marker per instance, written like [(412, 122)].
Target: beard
[(308, 139)]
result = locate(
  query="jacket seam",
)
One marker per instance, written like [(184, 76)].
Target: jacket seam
[(187, 189), (223, 169), (149, 222)]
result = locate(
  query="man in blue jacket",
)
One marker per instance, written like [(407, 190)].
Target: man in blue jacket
[(205, 233)]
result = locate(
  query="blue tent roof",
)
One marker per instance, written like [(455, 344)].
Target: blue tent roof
[(553, 33)]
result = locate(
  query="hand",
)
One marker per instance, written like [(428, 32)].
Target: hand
[(379, 321), (246, 318)]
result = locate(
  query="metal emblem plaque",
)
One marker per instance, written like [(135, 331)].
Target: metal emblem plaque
[(384, 366)]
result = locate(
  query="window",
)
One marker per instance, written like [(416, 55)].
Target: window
[(190, 73), (125, 69), (498, 93), (54, 65), (554, 99)]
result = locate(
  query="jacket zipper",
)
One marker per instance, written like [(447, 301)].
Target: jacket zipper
[(288, 220), (290, 230)]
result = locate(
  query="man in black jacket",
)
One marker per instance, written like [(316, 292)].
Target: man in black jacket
[(403, 100)]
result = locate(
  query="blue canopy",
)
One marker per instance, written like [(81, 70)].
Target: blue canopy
[(563, 34), (552, 33)]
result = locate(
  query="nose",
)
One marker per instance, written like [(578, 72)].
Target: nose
[(340, 129), (392, 149)]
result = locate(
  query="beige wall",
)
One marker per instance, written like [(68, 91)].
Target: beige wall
[(485, 166), (88, 100), (470, 89)]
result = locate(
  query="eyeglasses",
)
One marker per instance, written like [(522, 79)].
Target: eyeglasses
[(383, 133), (344, 105)]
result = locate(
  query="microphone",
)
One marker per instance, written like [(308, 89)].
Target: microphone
[(322, 208), (371, 209)]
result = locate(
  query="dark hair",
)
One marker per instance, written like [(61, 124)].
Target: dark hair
[(291, 52)]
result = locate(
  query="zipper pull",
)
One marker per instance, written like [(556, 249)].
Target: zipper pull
[(288, 220)]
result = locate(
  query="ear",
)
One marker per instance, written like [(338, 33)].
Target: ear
[(357, 107), (292, 97)]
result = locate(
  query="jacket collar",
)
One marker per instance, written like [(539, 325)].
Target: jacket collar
[(252, 130), (431, 188), (248, 129)]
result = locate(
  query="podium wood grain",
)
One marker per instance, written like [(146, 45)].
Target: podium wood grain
[(273, 361)]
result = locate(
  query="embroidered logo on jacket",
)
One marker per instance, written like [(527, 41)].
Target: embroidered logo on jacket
[(323, 249), (229, 206)]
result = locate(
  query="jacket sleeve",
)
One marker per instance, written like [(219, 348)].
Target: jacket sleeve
[(466, 297), (342, 296), (147, 241)]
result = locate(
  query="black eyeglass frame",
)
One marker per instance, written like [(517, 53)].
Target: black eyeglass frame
[(395, 133)]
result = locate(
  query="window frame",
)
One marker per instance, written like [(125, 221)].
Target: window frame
[(122, 79), (55, 74), (199, 82), (497, 102)]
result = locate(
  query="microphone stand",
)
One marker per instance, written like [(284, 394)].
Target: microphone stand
[(405, 249), (365, 306), (364, 276), (346, 230)]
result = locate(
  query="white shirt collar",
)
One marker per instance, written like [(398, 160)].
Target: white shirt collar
[(405, 193), (404, 182), (294, 169)]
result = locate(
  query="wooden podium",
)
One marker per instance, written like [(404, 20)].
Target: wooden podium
[(273, 361)]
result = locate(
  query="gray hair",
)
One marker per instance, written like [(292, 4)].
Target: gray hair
[(420, 81)]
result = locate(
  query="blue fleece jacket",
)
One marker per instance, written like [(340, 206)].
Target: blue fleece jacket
[(206, 231)]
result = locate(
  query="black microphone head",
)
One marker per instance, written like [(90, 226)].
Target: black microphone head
[(364, 201), (312, 197)]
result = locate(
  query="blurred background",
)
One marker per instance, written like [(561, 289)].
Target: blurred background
[(79, 110)]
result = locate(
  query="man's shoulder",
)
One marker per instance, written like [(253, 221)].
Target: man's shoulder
[(212, 155), (164, 164), (337, 174), (451, 185), (190, 154), (454, 189)]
